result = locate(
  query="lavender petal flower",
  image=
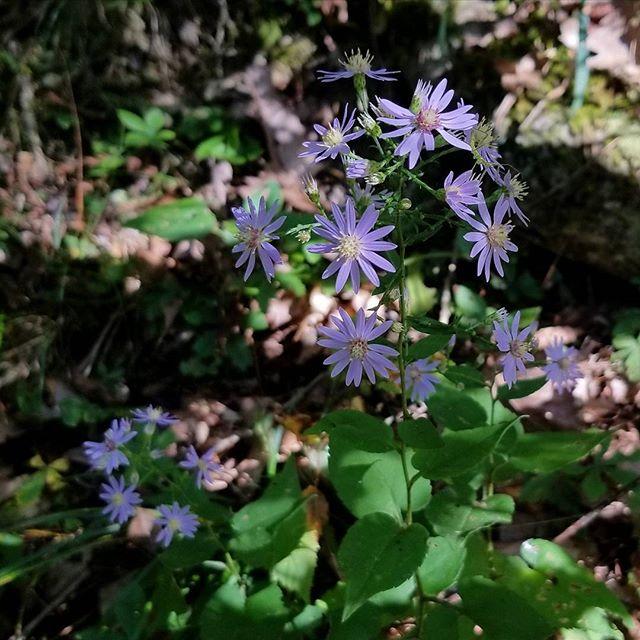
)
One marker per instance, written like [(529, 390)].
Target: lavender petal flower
[(490, 238), (420, 379), (204, 465), (515, 189), (417, 125), (484, 148), (256, 229), (333, 139), (106, 455), (356, 244), (562, 367), (356, 63), (175, 519), (353, 349), (121, 500), (462, 191), (516, 345), (153, 417)]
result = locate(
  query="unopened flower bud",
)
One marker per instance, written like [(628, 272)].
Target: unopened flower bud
[(369, 125), (405, 204), (397, 327), (375, 178)]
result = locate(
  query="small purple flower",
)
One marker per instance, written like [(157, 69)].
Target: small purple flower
[(121, 500), (255, 230), (356, 168), (426, 115), (462, 191), (356, 244), (420, 379), (516, 345), (365, 196), (562, 367), (106, 455), (204, 465), (516, 189), (353, 349), (175, 519), (491, 238), (153, 417), (333, 139), (485, 150), (356, 64)]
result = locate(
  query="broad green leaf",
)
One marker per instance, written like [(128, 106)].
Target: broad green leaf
[(447, 516), (179, 220), (431, 326), (468, 303), (446, 623), (187, 552), (377, 554), (295, 572), (628, 352), (548, 451), (154, 119), (428, 346), (367, 432), (521, 388), (419, 434), (280, 497), (442, 564), (502, 614), (131, 121), (367, 481), (462, 452), (593, 625), (456, 410), (421, 298), (464, 376)]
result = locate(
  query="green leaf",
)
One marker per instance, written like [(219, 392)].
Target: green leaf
[(502, 614), (295, 572), (421, 297), (188, 552), (154, 119), (428, 346), (377, 554), (462, 452), (548, 451), (429, 325), (521, 388), (442, 564), (179, 220), (455, 410), (367, 432), (628, 352), (280, 497), (131, 121), (447, 516), (469, 304), (368, 481), (420, 434), (446, 623), (464, 376)]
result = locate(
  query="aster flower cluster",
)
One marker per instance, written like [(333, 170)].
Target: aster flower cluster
[(120, 494)]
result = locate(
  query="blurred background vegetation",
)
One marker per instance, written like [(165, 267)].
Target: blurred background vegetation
[(128, 127)]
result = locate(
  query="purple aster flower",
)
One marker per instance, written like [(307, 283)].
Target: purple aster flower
[(491, 238), (153, 417), (356, 244), (106, 455), (354, 64), (204, 465), (427, 114), (516, 189), (356, 167), (420, 379), (255, 230), (121, 500), (175, 519), (462, 191), (515, 344), (333, 139), (365, 196), (485, 150), (562, 367), (353, 349)]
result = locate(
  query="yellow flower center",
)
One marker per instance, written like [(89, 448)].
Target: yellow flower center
[(427, 119), (118, 498), (349, 247), (173, 524), (358, 349), (358, 63), (333, 137), (498, 234), (518, 348)]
